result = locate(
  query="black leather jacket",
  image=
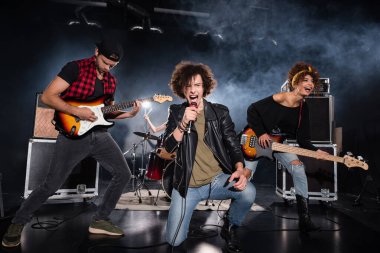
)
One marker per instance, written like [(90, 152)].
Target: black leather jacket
[(220, 137)]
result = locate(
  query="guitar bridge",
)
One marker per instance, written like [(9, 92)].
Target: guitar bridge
[(243, 139), (72, 131)]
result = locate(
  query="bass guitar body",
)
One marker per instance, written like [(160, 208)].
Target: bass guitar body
[(250, 145)]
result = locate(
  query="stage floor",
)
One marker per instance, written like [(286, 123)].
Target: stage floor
[(345, 229)]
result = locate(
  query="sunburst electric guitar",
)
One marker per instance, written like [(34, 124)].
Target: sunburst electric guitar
[(72, 126), (252, 149)]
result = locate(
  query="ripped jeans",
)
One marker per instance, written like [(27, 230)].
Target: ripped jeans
[(296, 171)]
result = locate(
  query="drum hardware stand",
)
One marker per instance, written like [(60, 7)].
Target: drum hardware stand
[(134, 176), (156, 199), (143, 168), (142, 172), (157, 196), (137, 188)]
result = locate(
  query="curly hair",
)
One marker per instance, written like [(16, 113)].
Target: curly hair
[(299, 71), (185, 71)]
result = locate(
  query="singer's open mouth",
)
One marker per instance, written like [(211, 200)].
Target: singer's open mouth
[(193, 99)]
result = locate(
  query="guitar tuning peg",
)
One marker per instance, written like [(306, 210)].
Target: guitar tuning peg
[(349, 153), (360, 158)]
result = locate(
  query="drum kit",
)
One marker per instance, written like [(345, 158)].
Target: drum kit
[(160, 165)]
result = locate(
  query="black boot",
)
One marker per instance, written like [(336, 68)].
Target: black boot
[(304, 221), (230, 234)]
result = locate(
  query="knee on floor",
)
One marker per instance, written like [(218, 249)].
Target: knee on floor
[(249, 193)]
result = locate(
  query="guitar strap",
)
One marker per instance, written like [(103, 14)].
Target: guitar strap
[(299, 117)]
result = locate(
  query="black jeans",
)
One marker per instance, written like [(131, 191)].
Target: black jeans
[(67, 154)]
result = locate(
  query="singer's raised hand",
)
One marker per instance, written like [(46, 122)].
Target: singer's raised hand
[(190, 114)]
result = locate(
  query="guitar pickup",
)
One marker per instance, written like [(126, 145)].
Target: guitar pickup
[(252, 141)]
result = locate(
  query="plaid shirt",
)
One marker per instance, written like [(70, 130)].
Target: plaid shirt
[(84, 86)]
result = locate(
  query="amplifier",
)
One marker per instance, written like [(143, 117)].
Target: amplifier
[(82, 182), (321, 113), (323, 89), (321, 117), (43, 128), (321, 177)]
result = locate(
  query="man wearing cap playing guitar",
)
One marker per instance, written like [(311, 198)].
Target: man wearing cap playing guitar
[(82, 81)]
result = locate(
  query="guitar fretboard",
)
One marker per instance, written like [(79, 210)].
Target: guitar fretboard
[(304, 152), (122, 105)]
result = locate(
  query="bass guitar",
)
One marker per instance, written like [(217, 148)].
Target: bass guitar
[(252, 150), (72, 126)]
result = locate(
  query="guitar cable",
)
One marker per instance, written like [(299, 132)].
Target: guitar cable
[(269, 209), (52, 225), (183, 200)]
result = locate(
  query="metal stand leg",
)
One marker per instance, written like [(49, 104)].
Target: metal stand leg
[(134, 147), (142, 184), (142, 170), (156, 199)]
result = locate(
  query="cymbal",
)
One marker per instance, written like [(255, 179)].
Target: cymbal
[(147, 136)]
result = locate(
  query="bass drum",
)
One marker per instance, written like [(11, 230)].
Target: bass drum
[(156, 166), (167, 179)]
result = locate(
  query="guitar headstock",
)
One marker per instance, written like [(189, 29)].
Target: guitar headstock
[(350, 162), (161, 98)]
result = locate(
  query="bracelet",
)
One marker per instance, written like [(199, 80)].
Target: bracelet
[(185, 127), (180, 128)]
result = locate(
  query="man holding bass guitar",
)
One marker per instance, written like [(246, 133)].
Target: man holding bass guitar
[(286, 114), (82, 80)]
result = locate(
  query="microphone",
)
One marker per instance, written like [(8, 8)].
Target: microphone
[(191, 122)]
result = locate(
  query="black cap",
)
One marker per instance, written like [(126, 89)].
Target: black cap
[(111, 49)]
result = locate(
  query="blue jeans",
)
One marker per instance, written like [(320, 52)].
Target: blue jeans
[(67, 154), (296, 171), (181, 209)]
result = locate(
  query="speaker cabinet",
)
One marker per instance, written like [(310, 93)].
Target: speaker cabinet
[(82, 182), (43, 128), (321, 112), (321, 177)]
